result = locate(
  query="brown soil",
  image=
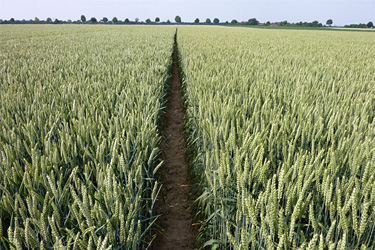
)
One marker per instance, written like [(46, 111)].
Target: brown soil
[(173, 202)]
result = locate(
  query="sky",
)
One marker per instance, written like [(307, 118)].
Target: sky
[(341, 11)]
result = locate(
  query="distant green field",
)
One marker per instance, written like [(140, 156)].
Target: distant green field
[(306, 28), (354, 29)]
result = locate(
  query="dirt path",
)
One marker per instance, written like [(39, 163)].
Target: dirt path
[(173, 201)]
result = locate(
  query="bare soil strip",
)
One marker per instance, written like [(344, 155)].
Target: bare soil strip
[(173, 201)]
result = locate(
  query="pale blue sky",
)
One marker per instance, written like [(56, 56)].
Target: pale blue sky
[(341, 11)]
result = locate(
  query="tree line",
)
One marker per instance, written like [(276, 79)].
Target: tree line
[(178, 20)]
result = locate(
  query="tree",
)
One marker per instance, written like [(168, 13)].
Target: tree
[(253, 21), (208, 20), (177, 19), (216, 20), (157, 20), (12, 20), (36, 20), (196, 20), (105, 20), (370, 25), (268, 23), (127, 20), (168, 21), (315, 23), (83, 18), (49, 20), (360, 25), (284, 23), (148, 20), (136, 19), (234, 21), (329, 22), (114, 20), (56, 21), (93, 20)]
